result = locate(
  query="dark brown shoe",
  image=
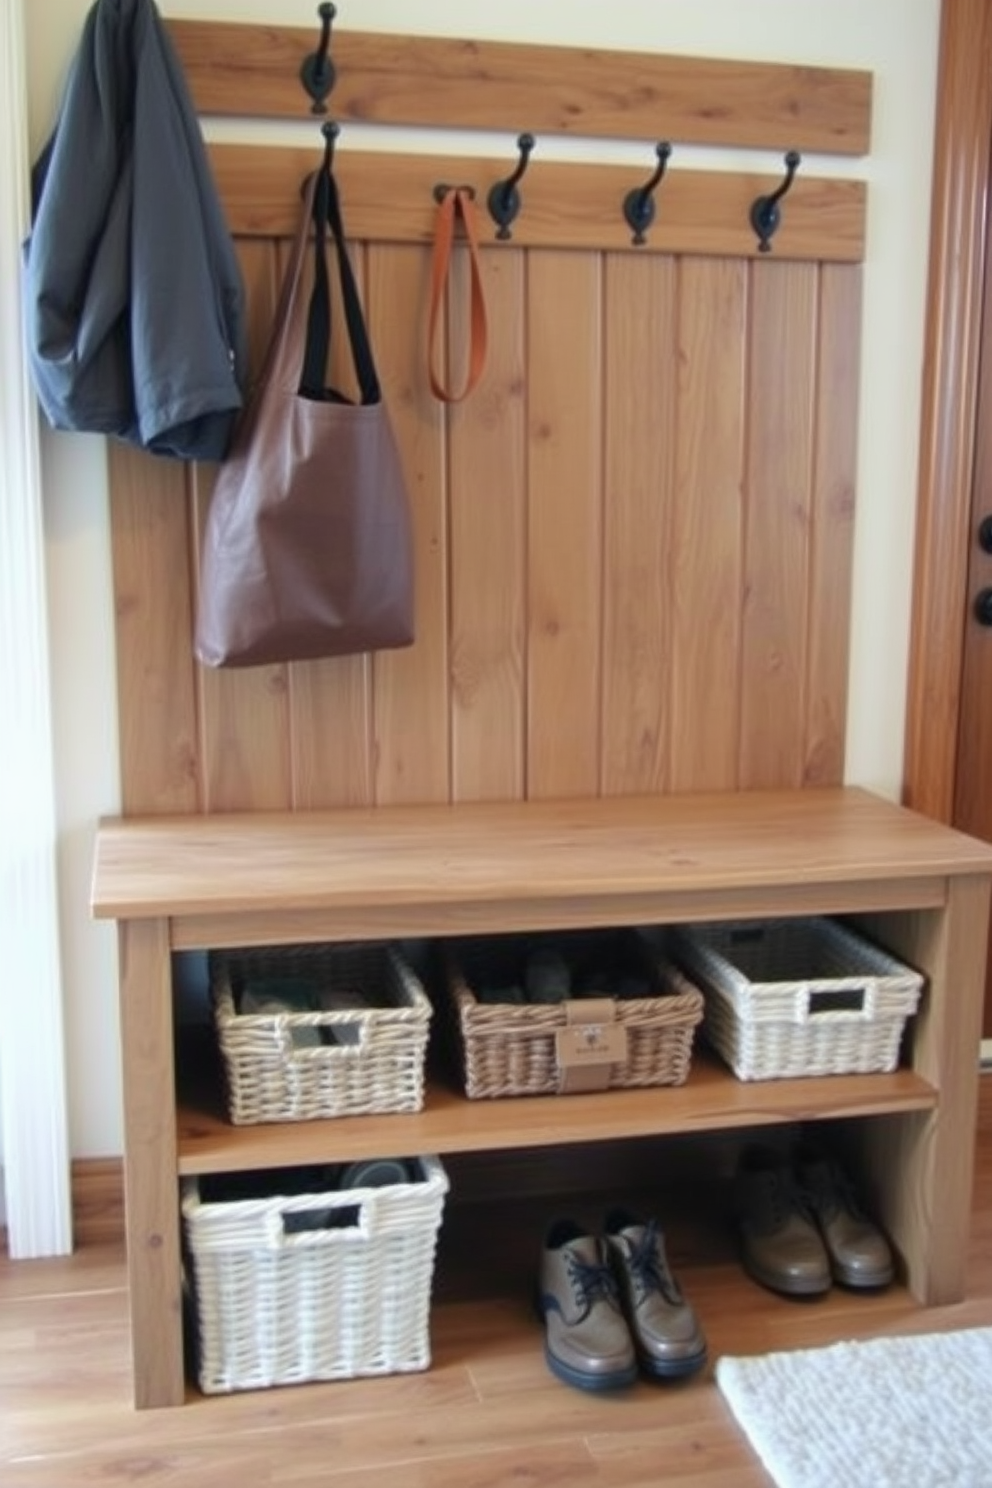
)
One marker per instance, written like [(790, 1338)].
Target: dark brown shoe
[(781, 1245), (860, 1255)]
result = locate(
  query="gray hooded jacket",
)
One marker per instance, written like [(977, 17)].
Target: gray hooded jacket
[(134, 302)]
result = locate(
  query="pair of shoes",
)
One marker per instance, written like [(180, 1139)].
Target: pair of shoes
[(801, 1225), (611, 1305)]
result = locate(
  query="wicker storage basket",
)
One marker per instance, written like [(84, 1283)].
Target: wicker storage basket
[(315, 1286), (507, 1049), (376, 1063), (798, 997)]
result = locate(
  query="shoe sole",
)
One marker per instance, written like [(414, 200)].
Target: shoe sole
[(672, 1368), (798, 1287), (618, 1379), (858, 1282)]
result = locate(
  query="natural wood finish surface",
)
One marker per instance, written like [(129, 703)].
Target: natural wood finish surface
[(463, 84), (495, 854), (948, 408), (388, 197), (150, 1159), (487, 1414), (711, 1100)]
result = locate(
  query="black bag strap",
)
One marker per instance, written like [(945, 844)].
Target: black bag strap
[(327, 215)]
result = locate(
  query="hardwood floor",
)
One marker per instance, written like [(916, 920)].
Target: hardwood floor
[(487, 1414)]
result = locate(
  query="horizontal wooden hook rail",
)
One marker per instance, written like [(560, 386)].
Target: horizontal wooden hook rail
[(389, 198), (254, 70)]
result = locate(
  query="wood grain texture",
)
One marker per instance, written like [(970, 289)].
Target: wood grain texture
[(150, 1160), (707, 560), (411, 685), (389, 198), (922, 1177), (564, 532), (641, 412), (487, 516), (474, 84), (958, 233), (778, 499), (487, 1412), (832, 524), (495, 853), (157, 719)]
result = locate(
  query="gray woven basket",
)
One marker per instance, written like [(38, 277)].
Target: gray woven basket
[(375, 1064)]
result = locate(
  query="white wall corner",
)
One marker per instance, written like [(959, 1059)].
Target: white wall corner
[(32, 1058)]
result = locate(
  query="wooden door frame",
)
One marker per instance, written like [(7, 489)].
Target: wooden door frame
[(958, 227)]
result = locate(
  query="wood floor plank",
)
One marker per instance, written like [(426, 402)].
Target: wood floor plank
[(487, 1414)]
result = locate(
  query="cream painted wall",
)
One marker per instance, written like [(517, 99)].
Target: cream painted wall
[(895, 39)]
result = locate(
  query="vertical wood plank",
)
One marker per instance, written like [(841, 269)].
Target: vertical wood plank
[(834, 475), (410, 686), (777, 541), (640, 375), (487, 515), (155, 668), (707, 528), (564, 357), (330, 700), (244, 716), (151, 1192)]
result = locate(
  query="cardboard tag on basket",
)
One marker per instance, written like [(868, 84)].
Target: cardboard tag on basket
[(589, 1044)]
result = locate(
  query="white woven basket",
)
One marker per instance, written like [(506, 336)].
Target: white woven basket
[(377, 1067), (347, 1295), (798, 997)]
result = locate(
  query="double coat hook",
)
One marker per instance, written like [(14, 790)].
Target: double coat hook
[(317, 72), (504, 198), (639, 205), (766, 215)]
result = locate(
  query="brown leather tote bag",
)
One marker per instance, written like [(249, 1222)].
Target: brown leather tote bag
[(308, 549)]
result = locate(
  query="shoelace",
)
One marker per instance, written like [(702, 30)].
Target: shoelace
[(592, 1280), (827, 1188), (648, 1266), (783, 1195)]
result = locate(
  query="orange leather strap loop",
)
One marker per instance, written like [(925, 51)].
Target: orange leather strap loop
[(457, 199)]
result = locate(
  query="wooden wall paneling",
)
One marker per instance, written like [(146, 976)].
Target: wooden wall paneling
[(455, 83), (244, 711), (330, 700), (832, 536), (155, 687), (388, 197), (640, 402), (410, 686), (704, 697), (565, 564), (487, 441), (781, 371)]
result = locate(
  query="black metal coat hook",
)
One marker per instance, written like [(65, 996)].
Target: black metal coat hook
[(638, 205), (317, 71), (766, 214), (330, 129), (504, 198)]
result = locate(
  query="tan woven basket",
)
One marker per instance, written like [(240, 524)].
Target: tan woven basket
[(508, 1049), (378, 1064), (316, 1286), (798, 997)]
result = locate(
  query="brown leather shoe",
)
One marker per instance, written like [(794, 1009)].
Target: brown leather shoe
[(587, 1342), (667, 1336), (781, 1246), (860, 1255)]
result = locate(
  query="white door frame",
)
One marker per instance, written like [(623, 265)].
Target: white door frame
[(33, 1116)]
